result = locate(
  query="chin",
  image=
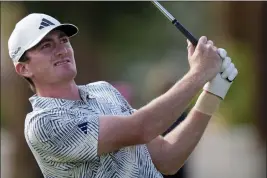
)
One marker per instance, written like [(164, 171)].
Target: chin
[(70, 75), (67, 76)]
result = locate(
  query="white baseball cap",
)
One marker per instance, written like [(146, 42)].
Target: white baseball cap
[(30, 30)]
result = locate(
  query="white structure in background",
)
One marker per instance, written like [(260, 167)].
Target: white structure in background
[(228, 153), (7, 153)]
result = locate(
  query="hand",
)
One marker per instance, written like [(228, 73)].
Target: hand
[(221, 83), (204, 59)]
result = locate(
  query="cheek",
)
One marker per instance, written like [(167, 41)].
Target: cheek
[(70, 49), (40, 66)]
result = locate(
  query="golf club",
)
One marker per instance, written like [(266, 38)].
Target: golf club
[(175, 22), (178, 25)]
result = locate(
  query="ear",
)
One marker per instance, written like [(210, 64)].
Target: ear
[(23, 70)]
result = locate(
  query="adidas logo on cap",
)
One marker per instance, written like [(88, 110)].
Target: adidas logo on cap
[(45, 23)]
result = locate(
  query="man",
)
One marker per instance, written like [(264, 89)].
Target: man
[(91, 130)]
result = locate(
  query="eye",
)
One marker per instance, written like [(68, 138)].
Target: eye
[(46, 45), (64, 40)]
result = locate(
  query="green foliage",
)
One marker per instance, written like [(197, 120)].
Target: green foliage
[(239, 102)]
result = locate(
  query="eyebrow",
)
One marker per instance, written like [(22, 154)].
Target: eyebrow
[(47, 39)]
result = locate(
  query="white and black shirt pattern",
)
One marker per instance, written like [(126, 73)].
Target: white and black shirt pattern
[(63, 136)]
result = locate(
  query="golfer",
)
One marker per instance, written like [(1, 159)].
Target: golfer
[(90, 131)]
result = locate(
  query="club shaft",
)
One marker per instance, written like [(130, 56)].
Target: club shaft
[(175, 22), (163, 10)]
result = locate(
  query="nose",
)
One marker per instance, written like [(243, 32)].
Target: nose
[(61, 50)]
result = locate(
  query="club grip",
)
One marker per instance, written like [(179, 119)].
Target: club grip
[(186, 33)]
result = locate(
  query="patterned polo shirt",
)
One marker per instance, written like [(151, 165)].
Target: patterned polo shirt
[(63, 136)]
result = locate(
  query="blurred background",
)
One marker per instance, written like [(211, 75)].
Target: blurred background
[(135, 48)]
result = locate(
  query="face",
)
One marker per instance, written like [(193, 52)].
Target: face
[(51, 61)]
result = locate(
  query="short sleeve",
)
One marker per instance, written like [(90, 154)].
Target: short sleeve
[(68, 138)]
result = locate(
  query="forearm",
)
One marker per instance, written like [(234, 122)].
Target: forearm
[(180, 143), (160, 113)]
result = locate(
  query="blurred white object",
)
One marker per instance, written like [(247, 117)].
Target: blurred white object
[(7, 152), (228, 153)]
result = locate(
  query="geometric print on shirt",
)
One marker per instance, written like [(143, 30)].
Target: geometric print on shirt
[(63, 135)]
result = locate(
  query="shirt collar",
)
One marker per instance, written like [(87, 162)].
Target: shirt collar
[(39, 102), (85, 93)]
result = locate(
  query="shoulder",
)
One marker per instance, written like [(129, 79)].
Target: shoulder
[(100, 85), (38, 124), (101, 88)]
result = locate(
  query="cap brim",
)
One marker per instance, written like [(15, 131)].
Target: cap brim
[(69, 29)]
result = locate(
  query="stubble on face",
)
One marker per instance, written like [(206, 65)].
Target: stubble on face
[(52, 60)]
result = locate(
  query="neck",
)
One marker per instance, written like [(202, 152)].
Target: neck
[(67, 91)]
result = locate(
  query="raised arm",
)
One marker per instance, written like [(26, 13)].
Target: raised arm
[(171, 152), (154, 118), (149, 121)]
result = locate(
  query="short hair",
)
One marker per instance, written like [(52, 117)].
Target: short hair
[(24, 58)]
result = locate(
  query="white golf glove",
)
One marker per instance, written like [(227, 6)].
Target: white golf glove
[(220, 84)]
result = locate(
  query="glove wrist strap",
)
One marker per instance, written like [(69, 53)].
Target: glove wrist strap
[(207, 103)]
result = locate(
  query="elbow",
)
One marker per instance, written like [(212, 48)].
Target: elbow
[(169, 168), (144, 136), (141, 131), (147, 135), (169, 171)]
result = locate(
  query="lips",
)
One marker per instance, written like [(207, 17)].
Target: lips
[(61, 62)]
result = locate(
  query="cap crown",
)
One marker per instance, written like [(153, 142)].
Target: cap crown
[(28, 32)]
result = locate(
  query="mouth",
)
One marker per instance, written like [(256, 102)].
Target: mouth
[(58, 63)]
